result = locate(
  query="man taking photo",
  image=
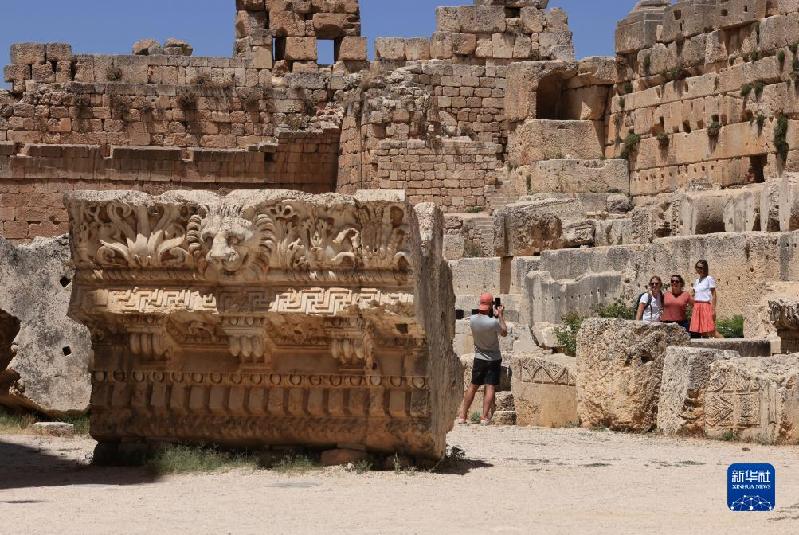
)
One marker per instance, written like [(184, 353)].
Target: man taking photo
[(487, 368)]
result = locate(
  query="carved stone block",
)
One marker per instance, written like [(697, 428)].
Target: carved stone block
[(267, 318), (754, 399), (544, 390)]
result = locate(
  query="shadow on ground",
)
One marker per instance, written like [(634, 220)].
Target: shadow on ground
[(23, 466)]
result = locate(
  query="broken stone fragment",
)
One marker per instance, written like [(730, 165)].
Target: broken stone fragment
[(177, 47), (147, 47)]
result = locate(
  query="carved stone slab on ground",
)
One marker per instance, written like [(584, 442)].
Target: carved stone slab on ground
[(544, 390), (686, 374), (619, 370), (267, 318), (754, 399)]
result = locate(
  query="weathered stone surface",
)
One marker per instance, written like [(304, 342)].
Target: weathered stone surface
[(784, 316), (267, 317), (686, 374), (754, 399), (53, 429), (619, 370), (745, 347), (44, 356), (544, 390)]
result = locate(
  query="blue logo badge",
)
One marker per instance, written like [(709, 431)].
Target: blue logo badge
[(751, 487)]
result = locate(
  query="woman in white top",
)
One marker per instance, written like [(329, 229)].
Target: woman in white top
[(650, 306), (703, 319)]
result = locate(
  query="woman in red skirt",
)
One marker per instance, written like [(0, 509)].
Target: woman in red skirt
[(703, 319)]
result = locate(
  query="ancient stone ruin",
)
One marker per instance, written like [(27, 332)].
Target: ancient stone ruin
[(564, 183), (268, 318)]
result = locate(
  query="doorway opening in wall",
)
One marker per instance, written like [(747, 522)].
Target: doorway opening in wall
[(325, 52), (548, 97), (9, 327), (757, 166)]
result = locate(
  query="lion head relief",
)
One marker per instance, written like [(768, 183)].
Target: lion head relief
[(227, 241)]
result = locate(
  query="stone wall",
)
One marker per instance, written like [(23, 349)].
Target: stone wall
[(707, 86)]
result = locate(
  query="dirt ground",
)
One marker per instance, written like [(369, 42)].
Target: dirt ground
[(513, 480)]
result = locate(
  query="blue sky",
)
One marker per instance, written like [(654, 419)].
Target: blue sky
[(111, 27)]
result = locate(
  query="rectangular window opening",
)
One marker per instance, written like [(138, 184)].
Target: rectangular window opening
[(325, 52)]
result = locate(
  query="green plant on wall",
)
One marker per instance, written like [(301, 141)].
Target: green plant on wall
[(631, 143), (567, 333), (780, 136)]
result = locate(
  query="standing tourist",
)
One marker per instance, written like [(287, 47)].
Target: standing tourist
[(703, 319), (676, 303), (650, 304), (487, 366)]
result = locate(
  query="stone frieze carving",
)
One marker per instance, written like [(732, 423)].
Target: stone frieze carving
[(277, 310)]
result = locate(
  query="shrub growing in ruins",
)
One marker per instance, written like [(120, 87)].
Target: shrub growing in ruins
[(618, 310), (113, 74), (250, 98), (622, 103), (758, 87), (120, 106), (746, 89), (761, 121), (187, 100), (647, 64), (780, 135), (663, 139), (631, 143), (714, 129), (731, 327), (781, 57), (567, 333), (628, 87)]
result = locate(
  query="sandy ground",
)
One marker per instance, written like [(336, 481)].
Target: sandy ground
[(514, 480)]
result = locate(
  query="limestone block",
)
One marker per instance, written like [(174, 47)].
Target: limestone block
[(447, 19), (686, 375), (640, 28), (441, 46), (417, 48), (527, 228), (147, 47), (545, 334), (177, 47), (619, 371), (28, 53), (533, 20), (482, 19), (742, 210), (464, 44), (575, 176), (58, 52), (301, 49), (703, 212), (754, 399), (248, 318), (544, 139), (544, 390), (44, 356), (353, 49), (329, 25), (789, 203), (390, 48)]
